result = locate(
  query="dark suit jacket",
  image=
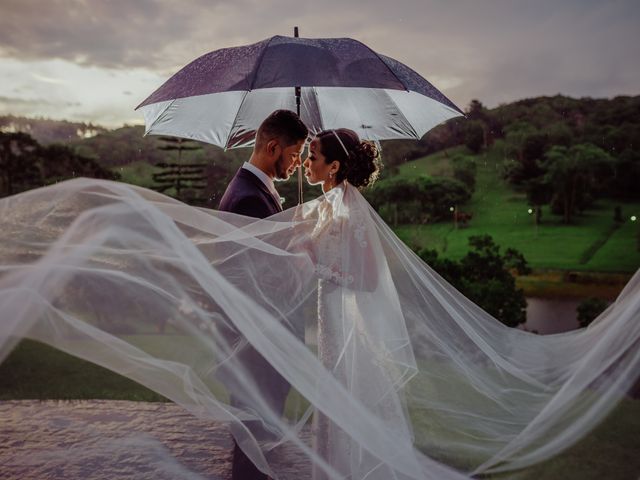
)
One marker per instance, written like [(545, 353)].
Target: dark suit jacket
[(247, 195)]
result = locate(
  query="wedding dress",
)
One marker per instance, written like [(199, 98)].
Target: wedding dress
[(349, 337), (409, 379)]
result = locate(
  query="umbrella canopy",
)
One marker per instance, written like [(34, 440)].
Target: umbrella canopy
[(223, 96)]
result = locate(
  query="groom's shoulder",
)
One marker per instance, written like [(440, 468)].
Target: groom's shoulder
[(242, 195), (242, 183)]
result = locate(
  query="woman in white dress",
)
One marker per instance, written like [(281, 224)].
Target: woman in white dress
[(337, 159)]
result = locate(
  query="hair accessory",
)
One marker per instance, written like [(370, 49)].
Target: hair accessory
[(341, 144)]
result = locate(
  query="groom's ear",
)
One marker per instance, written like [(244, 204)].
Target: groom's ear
[(272, 147)]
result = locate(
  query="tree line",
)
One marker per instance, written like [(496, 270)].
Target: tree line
[(560, 151), (26, 164), (564, 152)]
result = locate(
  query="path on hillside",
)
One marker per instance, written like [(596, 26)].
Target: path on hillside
[(106, 439)]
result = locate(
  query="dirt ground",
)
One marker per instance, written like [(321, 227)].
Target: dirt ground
[(104, 439)]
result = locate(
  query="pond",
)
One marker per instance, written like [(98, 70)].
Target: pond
[(551, 316)]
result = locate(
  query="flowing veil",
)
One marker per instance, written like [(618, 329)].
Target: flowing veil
[(413, 380)]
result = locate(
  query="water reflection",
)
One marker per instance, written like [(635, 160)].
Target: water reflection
[(551, 316)]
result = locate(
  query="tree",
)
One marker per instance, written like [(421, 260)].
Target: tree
[(479, 115), (59, 162), (464, 170), (416, 200), (559, 134), (571, 173), (539, 192), (121, 146), (524, 146), (484, 275), (18, 163), (589, 309), (474, 135), (185, 180), (477, 111), (179, 145), (626, 176)]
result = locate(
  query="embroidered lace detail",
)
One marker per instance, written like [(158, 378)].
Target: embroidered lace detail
[(359, 233), (328, 273)]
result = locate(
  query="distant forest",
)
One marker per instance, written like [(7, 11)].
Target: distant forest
[(594, 143)]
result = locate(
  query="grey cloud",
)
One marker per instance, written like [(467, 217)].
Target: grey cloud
[(35, 102), (115, 34), (36, 107), (24, 102), (496, 50)]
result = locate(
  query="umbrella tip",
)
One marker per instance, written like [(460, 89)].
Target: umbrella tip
[(295, 32)]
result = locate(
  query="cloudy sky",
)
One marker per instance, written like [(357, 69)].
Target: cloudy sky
[(95, 60)]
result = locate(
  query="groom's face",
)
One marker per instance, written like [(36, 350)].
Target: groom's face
[(288, 160)]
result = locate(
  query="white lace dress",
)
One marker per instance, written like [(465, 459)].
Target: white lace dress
[(330, 442)]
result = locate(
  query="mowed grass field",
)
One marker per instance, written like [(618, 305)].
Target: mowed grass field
[(592, 243), (34, 370)]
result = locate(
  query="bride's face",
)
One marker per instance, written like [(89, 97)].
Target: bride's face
[(316, 168)]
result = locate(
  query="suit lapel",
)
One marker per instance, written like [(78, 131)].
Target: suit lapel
[(276, 200), (262, 187)]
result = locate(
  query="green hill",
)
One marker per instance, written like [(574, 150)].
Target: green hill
[(591, 243)]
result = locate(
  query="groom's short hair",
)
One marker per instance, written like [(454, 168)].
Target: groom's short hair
[(284, 125)]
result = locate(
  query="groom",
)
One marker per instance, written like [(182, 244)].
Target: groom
[(279, 143), (276, 154)]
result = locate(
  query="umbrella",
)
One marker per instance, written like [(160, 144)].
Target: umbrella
[(222, 97)]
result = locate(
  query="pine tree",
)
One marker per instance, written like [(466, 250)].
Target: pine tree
[(184, 181)]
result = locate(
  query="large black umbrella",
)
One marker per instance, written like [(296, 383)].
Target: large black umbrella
[(223, 96)]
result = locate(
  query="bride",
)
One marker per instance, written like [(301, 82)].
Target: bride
[(406, 378), (348, 271)]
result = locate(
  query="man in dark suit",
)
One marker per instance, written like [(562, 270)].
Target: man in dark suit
[(279, 144)]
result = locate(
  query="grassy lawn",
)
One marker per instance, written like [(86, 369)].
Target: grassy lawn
[(36, 371), (591, 243), (608, 452)]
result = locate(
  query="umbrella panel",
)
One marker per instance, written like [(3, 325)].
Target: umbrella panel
[(230, 119)]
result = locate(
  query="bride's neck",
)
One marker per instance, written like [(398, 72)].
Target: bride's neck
[(326, 186)]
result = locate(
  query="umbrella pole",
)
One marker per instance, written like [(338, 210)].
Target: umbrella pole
[(298, 94), (299, 166)]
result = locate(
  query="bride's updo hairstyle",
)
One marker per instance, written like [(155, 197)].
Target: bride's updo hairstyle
[(359, 160)]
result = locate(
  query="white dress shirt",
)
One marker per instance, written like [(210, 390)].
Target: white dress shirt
[(264, 178)]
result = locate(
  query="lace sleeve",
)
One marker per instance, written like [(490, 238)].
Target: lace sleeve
[(342, 251), (329, 264)]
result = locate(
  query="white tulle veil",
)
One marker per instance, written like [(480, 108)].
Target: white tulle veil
[(425, 384)]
